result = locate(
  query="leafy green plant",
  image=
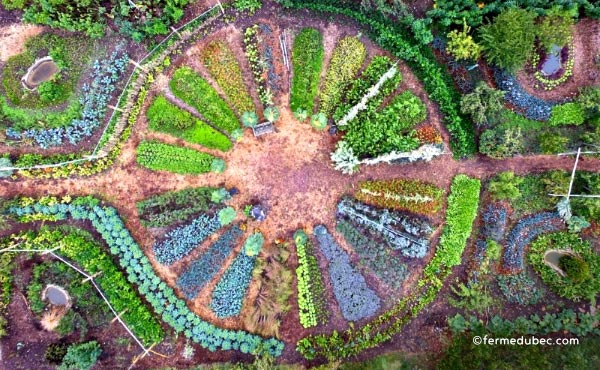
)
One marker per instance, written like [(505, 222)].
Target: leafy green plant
[(81, 356), (567, 114), (159, 156), (505, 186), (197, 92), (498, 143), (482, 103), (473, 297), (250, 5), (166, 117), (226, 216), (576, 269), (307, 62), (348, 56), (555, 28), (520, 289), (225, 69), (552, 143), (272, 114), (318, 121), (249, 119), (508, 41)]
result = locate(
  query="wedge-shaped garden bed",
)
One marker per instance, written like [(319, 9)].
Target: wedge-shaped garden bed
[(159, 156), (307, 61)]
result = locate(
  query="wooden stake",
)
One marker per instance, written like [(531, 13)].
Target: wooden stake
[(90, 277), (118, 316), (573, 173)]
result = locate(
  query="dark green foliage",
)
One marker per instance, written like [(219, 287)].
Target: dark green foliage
[(552, 143), (307, 62), (166, 117), (174, 206), (576, 269), (55, 353), (81, 356), (508, 41), (501, 143), (159, 156), (474, 296), (520, 289), (589, 99), (482, 103), (555, 28), (250, 5), (6, 279), (375, 132), (505, 186), (188, 86)]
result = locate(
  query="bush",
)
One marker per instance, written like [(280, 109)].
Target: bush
[(307, 62), (166, 117), (201, 271), (589, 100), (348, 56), (225, 69), (81, 356), (505, 186), (552, 143), (482, 103), (407, 195), (188, 86), (501, 143), (508, 41), (567, 114), (226, 216), (159, 156), (179, 242), (461, 45), (520, 289), (576, 269), (554, 28), (250, 5), (355, 299)]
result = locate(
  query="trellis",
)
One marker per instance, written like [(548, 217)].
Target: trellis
[(137, 65), (577, 154)]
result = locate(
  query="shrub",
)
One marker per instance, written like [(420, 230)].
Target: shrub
[(188, 86), (250, 5), (567, 114), (482, 103), (81, 356), (576, 269), (552, 143), (179, 242), (508, 41), (407, 195), (164, 116), (272, 114), (461, 45), (218, 165), (159, 156), (225, 69), (505, 186), (554, 28), (168, 208), (201, 271), (307, 62), (589, 100), (249, 119), (499, 143), (570, 286), (228, 296), (348, 56), (356, 300)]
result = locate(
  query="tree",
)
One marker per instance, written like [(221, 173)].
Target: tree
[(508, 41), (81, 356), (555, 28), (483, 102), (506, 186), (461, 45), (272, 114), (249, 119)]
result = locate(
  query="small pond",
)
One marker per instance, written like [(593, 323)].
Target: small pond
[(41, 71), (552, 63), (56, 295)]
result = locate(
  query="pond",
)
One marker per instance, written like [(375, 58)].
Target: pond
[(56, 295), (552, 63), (41, 71)]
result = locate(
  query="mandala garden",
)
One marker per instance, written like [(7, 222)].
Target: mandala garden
[(263, 184)]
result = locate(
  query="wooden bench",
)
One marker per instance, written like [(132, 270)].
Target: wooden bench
[(263, 128)]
